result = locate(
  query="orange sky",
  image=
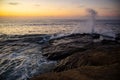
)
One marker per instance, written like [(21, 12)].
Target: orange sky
[(57, 8)]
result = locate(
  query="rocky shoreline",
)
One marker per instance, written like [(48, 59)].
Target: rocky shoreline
[(21, 56), (79, 58)]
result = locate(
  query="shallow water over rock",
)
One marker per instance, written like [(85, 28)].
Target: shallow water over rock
[(21, 60)]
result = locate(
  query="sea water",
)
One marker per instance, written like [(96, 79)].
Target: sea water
[(21, 26)]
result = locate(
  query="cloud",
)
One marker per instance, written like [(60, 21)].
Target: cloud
[(111, 9), (105, 8), (80, 6), (13, 3), (37, 5)]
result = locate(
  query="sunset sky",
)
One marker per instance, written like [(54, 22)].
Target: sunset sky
[(58, 8)]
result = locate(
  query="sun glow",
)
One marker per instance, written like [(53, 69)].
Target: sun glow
[(52, 8)]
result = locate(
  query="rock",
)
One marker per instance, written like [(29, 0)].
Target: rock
[(118, 37), (95, 36), (108, 42), (61, 48), (32, 39), (81, 59), (108, 72), (102, 55)]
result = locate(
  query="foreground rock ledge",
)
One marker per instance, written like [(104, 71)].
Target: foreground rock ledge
[(98, 61)]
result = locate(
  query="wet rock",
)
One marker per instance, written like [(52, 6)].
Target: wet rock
[(71, 62), (60, 52), (108, 42), (83, 59), (32, 39), (95, 36), (108, 72), (63, 47), (98, 56), (118, 37), (99, 63)]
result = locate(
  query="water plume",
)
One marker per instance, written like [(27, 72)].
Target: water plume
[(92, 19), (88, 26)]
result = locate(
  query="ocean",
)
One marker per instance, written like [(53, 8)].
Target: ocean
[(22, 26), (23, 60)]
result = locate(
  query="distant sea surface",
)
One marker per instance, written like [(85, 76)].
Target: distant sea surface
[(21, 26)]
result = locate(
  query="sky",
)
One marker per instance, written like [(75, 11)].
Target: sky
[(58, 8)]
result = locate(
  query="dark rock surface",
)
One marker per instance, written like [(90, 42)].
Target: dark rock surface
[(118, 37), (108, 72), (98, 56), (66, 46), (81, 59)]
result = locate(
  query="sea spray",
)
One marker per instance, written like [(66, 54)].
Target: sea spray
[(88, 26), (91, 23), (91, 20)]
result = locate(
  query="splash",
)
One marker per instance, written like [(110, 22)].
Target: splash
[(88, 26), (92, 20)]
